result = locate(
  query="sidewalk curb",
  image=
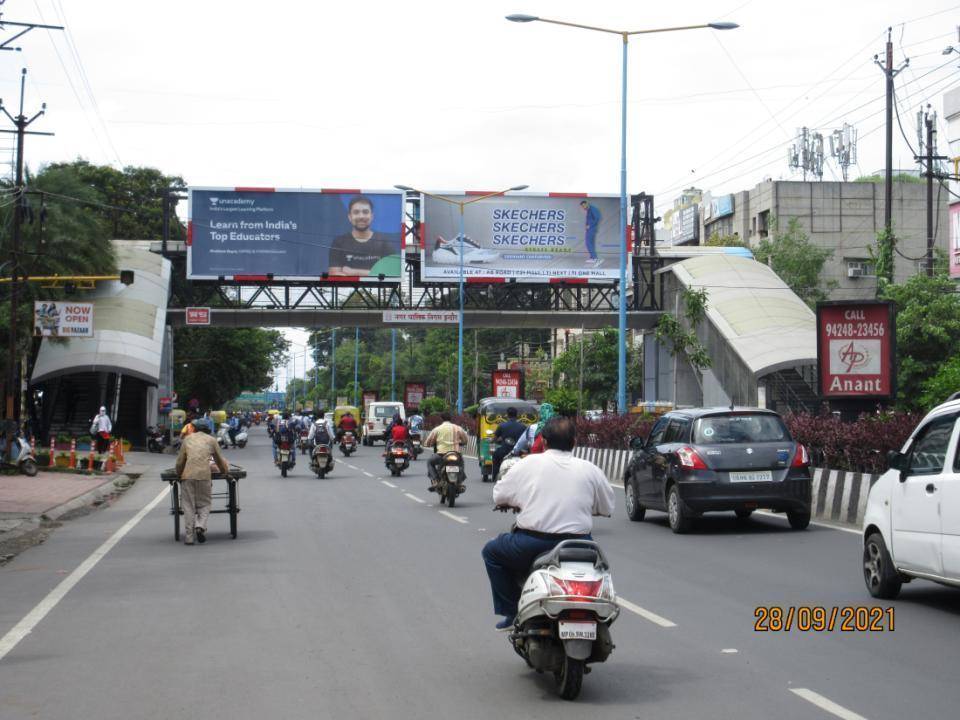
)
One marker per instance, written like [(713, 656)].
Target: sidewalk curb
[(33, 530)]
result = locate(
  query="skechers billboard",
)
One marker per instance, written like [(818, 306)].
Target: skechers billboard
[(531, 238), (294, 234)]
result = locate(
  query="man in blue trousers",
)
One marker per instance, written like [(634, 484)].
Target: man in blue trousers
[(590, 235), (557, 495)]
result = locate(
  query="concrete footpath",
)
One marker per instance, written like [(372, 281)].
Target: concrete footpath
[(31, 507)]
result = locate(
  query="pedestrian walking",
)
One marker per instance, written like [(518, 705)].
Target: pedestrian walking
[(100, 430), (198, 453)]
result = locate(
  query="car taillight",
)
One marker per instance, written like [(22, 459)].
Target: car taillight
[(370, 425), (689, 459), (576, 588), (801, 458)]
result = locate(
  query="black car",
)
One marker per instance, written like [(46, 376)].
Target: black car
[(707, 459)]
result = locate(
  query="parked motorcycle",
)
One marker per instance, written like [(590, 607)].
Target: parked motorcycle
[(321, 460), (397, 458), (223, 437), (24, 460), (284, 459), (566, 609), (449, 479), (157, 439), (416, 445), (348, 443)]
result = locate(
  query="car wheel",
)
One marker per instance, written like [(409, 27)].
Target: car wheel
[(879, 574), (676, 514), (743, 514), (799, 520), (635, 511)]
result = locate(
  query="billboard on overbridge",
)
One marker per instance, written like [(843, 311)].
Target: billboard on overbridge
[(524, 237), (263, 234)]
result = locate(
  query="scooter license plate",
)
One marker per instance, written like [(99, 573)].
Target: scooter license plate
[(452, 469), (578, 630)]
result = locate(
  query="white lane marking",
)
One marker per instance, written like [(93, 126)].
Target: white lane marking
[(645, 614), (367, 474), (826, 704), (33, 618), (388, 483), (829, 526), (458, 518), (730, 651), (414, 497)]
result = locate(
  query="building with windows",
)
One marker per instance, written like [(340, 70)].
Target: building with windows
[(843, 217)]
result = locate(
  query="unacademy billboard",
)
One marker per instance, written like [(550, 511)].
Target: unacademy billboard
[(526, 237), (262, 233)]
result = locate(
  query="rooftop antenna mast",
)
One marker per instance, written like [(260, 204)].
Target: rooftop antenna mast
[(843, 148), (806, 153)]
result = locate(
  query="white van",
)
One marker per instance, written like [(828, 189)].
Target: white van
[(912, 525), (379, 415)]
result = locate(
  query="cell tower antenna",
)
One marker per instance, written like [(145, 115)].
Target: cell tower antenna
[(843, 148), (806, 153)]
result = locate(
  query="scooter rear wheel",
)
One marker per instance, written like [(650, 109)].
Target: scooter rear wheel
[(283, 470), (29, 467), (570, 678), (451, 494)]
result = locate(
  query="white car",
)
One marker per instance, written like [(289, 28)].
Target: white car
[(378, 416), (447, 252), (912, 524)]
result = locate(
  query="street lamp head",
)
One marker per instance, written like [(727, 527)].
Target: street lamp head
[(405, 188), (947, 50), (723, 25), (518, 188), (522, 18)]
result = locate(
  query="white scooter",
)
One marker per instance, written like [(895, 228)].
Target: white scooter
[(25, 462), (565, 612), (223, 437)]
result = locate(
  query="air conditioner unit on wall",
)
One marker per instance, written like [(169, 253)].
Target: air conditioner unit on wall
[(856, 271)]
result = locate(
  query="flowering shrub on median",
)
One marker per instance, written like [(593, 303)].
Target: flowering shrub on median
[(860, 446), (612, 431)]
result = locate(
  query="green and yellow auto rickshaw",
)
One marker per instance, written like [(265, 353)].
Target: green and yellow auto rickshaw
[(491, 412), (340, 410)]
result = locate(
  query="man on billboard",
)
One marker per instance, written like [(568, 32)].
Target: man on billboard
[(356, 252), (590, 237)]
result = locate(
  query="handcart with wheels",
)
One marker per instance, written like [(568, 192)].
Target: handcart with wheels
[(230, 494)]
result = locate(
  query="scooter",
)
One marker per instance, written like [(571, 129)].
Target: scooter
[(321, 460), (566, 608), (448, 481), (397, 458), (223, 437), (416, 445), (157, 440), (348, 443), (24, 461), (304, 442), (284, 461)]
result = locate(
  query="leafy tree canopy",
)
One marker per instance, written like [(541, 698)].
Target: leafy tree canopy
[(797, 261)]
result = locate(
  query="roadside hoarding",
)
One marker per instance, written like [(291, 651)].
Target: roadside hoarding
[(62, 319), (686, 226), (508, 384), (955, 240), (855, 349), (166, 405), (369, 396), (525, 237), (425, 317), (413, 394), (262, 234)]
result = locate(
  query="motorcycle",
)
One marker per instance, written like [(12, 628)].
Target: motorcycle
[(397, 458), (157, 440), (348, 443), (24, 461), (284, 461), (449, 479), (304, 442), (416, 445), (321, 460), (565, 612)]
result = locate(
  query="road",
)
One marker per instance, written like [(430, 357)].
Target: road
[(356, 597)]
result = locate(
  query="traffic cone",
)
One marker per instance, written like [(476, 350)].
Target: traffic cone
[(111, 465), (90, 459), (121, 460), (73, 454), (53, 450)]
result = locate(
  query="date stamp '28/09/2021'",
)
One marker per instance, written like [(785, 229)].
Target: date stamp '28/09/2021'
[(803, 618)]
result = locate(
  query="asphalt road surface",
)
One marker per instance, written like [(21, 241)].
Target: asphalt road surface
[(356, 596)]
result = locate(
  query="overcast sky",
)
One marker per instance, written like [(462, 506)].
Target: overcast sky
[(450, 95)]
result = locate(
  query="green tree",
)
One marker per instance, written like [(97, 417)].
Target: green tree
[(797, 261), (928, 333), (945, 383), (564, 400), (718, 240), (681, 333), (215, 364), (432, 405), (599, 367)]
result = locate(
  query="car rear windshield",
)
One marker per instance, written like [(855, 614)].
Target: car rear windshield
[(385, 411), (740, 428)]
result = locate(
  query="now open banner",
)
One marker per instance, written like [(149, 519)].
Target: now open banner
[(62, 319)]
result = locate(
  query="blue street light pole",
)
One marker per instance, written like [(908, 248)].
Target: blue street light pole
[(622, 303), (461, 204), (393, 365), (333, 368)]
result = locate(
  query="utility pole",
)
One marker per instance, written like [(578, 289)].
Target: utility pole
[(393, 365), (333, 368), (928, 158), (21, 123), (476, 366), (890, 73)]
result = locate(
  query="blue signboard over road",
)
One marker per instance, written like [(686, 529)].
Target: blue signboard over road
[(262, 233)]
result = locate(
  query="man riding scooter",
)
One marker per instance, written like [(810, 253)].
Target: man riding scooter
[(347, 424), (506, 437), (284, 433), (446, 437)]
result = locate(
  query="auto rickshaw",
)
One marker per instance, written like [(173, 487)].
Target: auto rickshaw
[(342, 410), (491, 412)]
